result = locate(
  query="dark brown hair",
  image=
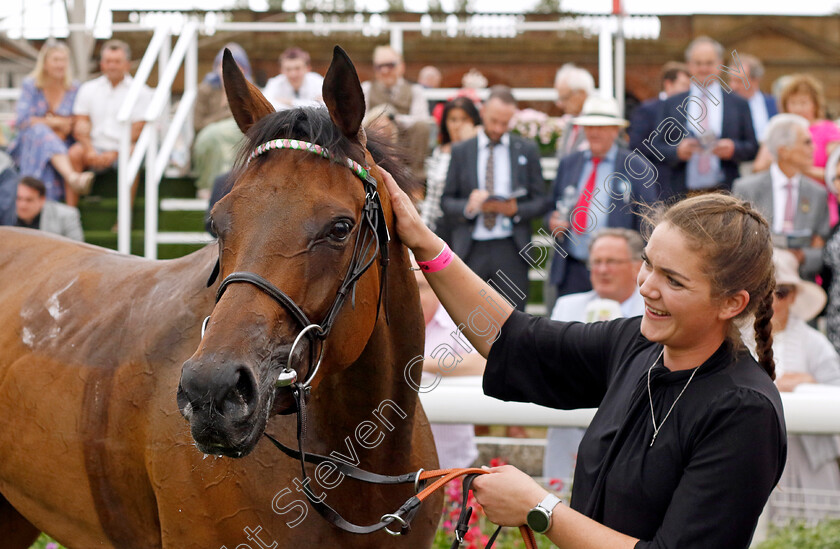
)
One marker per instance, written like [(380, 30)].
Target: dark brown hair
[(34, 184), (734, 240), (672, 70), (466, 105)]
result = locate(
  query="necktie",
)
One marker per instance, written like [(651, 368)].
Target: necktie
[(790, 209), (489, 174), (582, 206)]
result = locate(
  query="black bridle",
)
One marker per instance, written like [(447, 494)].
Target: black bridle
[(368, 245), (375, 238)]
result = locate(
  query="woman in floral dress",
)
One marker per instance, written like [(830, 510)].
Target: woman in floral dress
[(45, 126)]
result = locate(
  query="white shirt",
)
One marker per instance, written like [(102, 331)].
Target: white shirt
[(572, 307), (455, 441), (501, 185), (811, 459), (758, 110), (101, 101), (278, 90), (779, 180), (697, 175), (801, 348), (715, 112)]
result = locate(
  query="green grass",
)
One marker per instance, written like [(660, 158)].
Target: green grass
[(825, 535), (45, 540)]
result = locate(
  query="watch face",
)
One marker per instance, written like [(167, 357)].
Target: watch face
[(538, 520)]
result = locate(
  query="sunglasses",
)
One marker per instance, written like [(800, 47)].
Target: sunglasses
[(382, 66), (784, 291)]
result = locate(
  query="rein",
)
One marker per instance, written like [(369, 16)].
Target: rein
[(404, 515), (376, 240)]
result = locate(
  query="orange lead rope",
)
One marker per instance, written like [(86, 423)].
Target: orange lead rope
[(444, 476), (407, 511)]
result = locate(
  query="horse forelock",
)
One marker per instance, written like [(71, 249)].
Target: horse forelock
[(313, 124)]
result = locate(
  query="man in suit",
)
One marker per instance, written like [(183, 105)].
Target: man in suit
[(34, 211), (762, 105), (794, 205), (675, 79), (594, 189), (703, 134), (573, 85), (488, 230)]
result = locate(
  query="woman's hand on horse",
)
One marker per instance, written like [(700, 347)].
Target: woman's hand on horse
[(412, 231), (507, 494)]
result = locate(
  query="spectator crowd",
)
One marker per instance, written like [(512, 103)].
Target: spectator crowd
[(712, 128)]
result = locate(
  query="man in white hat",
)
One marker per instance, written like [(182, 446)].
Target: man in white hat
[(803, 355), (593, 190)]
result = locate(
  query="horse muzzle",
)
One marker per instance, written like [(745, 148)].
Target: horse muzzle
[(222, 405)]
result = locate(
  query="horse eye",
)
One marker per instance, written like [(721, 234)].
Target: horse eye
[(340, 231)]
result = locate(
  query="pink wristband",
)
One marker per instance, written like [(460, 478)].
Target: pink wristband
[(441, 261)]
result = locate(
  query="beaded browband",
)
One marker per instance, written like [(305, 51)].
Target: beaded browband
[(294, 144)]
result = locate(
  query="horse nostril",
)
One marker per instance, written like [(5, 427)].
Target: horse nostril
[(241, 398), (227, 389)]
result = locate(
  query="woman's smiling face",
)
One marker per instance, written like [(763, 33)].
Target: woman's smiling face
[(680, 312)]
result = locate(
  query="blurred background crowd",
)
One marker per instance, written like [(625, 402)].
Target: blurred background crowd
[(544, 199)]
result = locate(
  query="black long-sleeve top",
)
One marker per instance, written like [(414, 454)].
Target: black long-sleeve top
[(706, 479)]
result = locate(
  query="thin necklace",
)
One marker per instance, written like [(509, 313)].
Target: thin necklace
[(650, 397)]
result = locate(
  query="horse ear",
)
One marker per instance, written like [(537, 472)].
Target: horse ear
[(246, 102), (343, 95)]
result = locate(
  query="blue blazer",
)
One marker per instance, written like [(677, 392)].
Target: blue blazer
[(643, 122), (642, 126), (737, 126), (770, 101), (462, 179), (623, 215)]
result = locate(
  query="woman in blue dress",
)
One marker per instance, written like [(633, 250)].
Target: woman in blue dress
[(44, 124)]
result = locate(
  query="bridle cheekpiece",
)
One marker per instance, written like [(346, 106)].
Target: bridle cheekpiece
[(373, 217)]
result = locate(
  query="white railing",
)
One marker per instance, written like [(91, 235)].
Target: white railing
[(128, 164), (520, 94), (186, 53), (149, 145), (461, 400), (812, 409)]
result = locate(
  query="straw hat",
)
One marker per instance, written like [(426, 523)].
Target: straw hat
[(810, 298), (600, 111)]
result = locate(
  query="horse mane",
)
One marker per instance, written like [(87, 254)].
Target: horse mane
[(313, 124)]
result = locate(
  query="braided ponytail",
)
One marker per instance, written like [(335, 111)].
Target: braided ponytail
[(734, 240), (763, 333)]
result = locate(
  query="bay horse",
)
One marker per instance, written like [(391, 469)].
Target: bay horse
[(95, 346)]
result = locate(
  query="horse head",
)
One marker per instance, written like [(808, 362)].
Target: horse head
[(302, 248)]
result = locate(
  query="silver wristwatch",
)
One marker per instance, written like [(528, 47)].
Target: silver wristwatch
[(539, 518)]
